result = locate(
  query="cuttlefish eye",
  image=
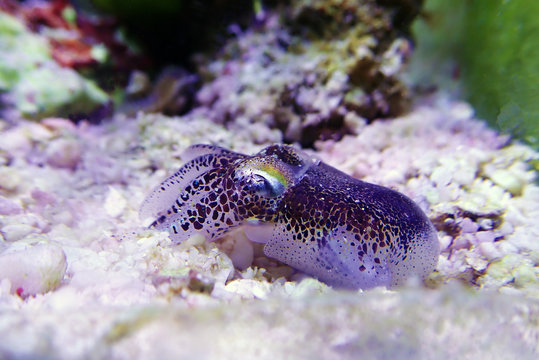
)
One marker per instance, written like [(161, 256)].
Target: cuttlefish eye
[(265, 182), (269, 185)]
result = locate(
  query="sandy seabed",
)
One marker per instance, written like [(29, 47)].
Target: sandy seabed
[(81, 277)]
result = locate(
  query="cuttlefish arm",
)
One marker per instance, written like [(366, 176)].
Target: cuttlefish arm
[(170, 201)]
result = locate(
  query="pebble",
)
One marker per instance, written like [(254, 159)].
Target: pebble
[(507, 180), (15, 232), (468, 226), (10, 178), (489, 250), (34, 270), (249, 289), (64, 153), (9, 207), (484, 236), (115, 203)]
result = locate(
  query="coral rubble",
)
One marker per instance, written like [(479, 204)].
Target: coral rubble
[(304, 70)]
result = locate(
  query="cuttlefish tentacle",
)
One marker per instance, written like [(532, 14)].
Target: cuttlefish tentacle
[(311, 216)]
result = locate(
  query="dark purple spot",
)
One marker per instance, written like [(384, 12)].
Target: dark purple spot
[(222, 199)]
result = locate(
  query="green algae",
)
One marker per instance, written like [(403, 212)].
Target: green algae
[(33, 83), (25, 51), (492, 47), (503, 81)]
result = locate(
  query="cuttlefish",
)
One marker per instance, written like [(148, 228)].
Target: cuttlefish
[(346, 232)]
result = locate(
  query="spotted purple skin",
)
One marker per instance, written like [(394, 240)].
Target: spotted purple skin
[(311, 216)]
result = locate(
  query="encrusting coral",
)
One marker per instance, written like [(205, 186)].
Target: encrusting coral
[(304, 70)]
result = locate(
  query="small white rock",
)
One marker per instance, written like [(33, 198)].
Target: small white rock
[(10, 178), (468, 226), (507, 180), (115, 203), (34, 270), (489, 250), (15, 232), (64, 153), (484, 236), (9, 207), (248, 289)]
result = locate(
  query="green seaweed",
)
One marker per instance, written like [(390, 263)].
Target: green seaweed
[(503, 82), (494, 45)]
